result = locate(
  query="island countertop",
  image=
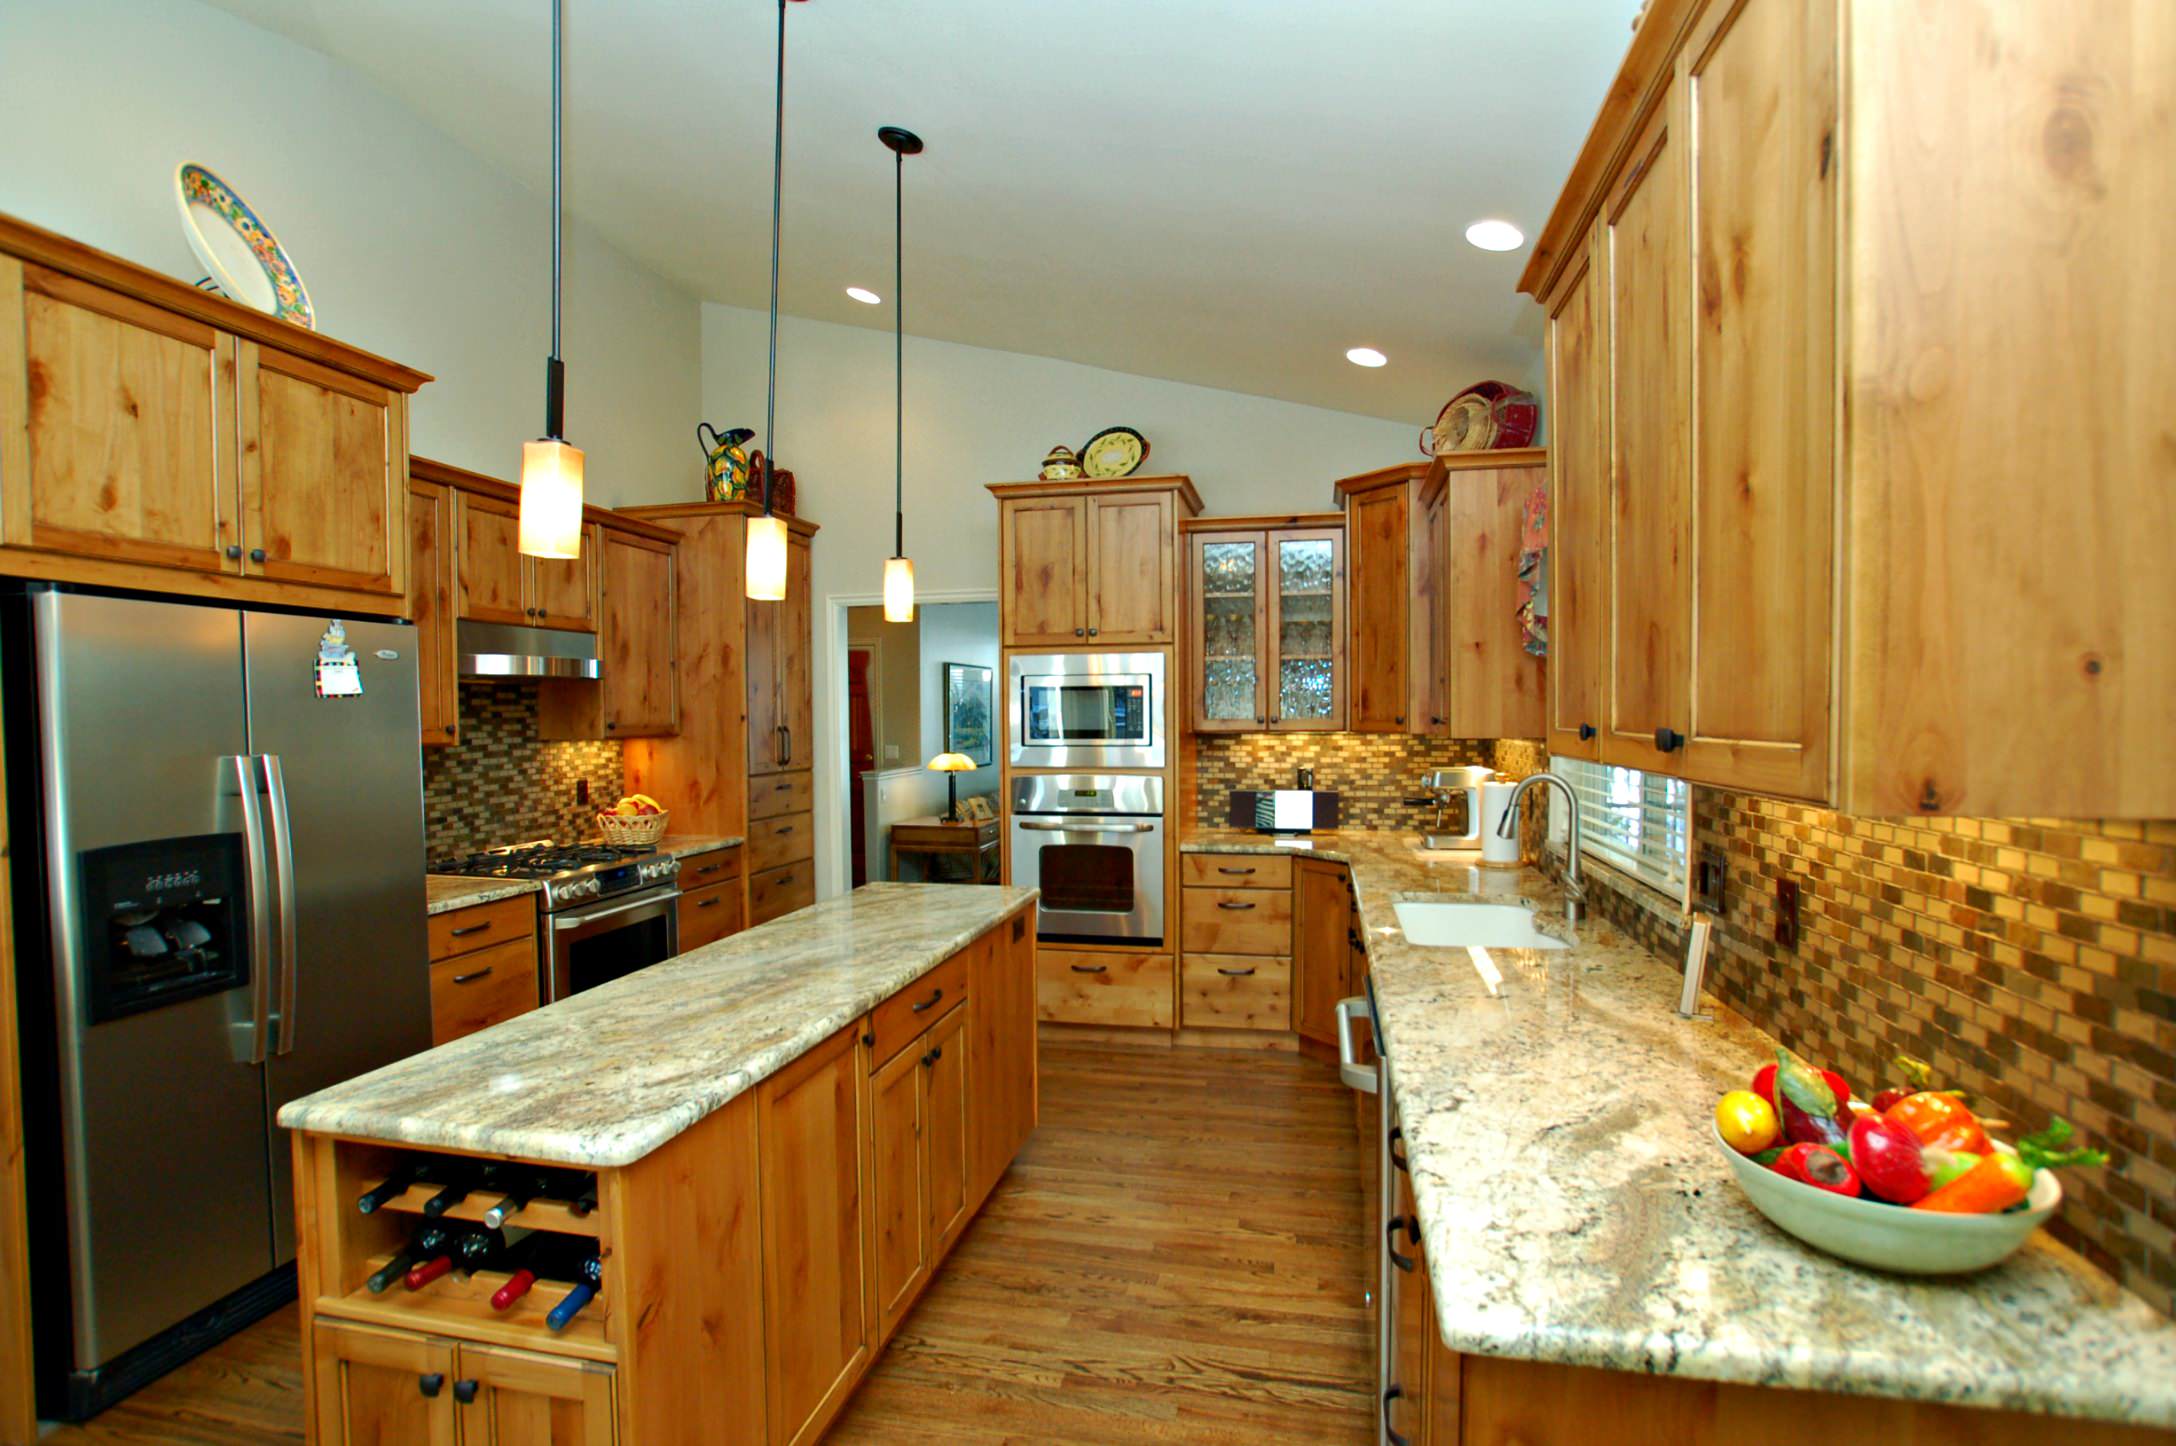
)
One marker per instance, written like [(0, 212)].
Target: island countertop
[(605, 1077), (1575, 1208)]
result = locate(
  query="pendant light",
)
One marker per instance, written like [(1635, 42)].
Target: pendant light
[(551, 471), (898, 568), (765, 568)]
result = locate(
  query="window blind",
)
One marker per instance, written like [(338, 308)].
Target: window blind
[(1634, 821)]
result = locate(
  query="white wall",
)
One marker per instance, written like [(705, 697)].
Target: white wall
[(976, 416), (959, 633), (411, 246)]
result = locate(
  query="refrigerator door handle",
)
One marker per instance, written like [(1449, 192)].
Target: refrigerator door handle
[(283, 846), (244, 785)]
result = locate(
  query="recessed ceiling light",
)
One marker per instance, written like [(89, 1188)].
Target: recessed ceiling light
[(1365, 356), (1495, 235), (865, 296)]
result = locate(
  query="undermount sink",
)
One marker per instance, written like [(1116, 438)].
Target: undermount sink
[(1486, 926)]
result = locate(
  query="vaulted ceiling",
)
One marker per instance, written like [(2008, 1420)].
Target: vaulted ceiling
[(1224, 192)]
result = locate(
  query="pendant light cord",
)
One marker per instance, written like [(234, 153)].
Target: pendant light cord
[(555, 374), (899, 354), (778, 172)]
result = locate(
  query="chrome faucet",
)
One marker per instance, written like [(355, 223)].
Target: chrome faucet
[(1575, 893)]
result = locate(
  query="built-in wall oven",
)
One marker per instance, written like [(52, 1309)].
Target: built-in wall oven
[(1086, 710), (1094, 844)]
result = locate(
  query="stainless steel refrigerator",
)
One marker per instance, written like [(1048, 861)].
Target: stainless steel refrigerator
[(226, 886)]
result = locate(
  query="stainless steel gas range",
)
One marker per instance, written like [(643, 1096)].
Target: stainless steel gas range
[(607, 910)]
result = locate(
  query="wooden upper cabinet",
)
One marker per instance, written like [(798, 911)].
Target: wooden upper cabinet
[(1045, 565), (324, 471), (1131, 542), (119, 429), (638, 634), (494, 575), (1380, 608), (1488, 685), (563, 590), (1229, 597), (430, 605), (1760, 95), (1578, 346), (781, 726), (1304, 642), (1431, 596), (1643, 234), (1268, 627)]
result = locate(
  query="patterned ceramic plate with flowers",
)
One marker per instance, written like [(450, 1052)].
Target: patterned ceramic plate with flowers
[(243, 256)]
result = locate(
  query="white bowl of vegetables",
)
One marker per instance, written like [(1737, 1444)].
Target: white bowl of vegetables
[(1916, 1186)]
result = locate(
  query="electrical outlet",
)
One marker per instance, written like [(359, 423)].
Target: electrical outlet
[(1707, 880), (1787, 913), (581, 791)]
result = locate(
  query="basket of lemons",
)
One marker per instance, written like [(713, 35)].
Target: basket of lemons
[(636, 821)]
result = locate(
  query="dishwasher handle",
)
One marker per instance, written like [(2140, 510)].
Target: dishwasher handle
[(1363, 1077)]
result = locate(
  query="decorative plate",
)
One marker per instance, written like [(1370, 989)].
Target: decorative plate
[(1113, 452), (244, 257)]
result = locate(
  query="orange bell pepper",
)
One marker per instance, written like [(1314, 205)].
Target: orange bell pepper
[(1941, 1122), (1994, 1184)]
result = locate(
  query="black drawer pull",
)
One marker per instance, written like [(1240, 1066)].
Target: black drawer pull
[(1235, 973), (1236, 908), (782, 832), (929, 1003), (1241, 872), (1089, 968), (432, 1383), (472, 978), (467, 929), (1412, 1230), (1393, 1393), (1397, 1156), (710, 903)]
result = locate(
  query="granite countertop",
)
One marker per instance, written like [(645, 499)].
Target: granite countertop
[(607, 1076), (447, 892), (1575, 1209)]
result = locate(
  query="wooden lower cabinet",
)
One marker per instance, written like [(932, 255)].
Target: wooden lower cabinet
[(898, 1184), (1003, 1096), (1104, 987), (945, 1140), (1235, 991), (380, 1387), (1321, 939), (709, 914), (483, 966)]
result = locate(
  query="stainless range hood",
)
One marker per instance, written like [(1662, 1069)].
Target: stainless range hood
[(502, 653)]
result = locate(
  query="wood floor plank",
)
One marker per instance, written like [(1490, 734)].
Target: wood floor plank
[(1177, 1257)]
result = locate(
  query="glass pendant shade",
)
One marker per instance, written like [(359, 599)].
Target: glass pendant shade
[(767, 559), (551, 499), (898, 590)]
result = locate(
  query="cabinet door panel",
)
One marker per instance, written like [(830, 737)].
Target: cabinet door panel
[(1230, 626), (1305, 680), (1002, 1060), (563, 590), (1761, 130), (709, 914), (370, 1387), (1130, 544), (766, 736), (120, 426), (817, 1322), (1381, 609), (1321, 932), (1650, 542), (430, 606), (532, 1400), (1492, 686), (898, 1187), (492, 576), (1579, 509), (324, 474), (796, 698), (638, 636), (945, 1144), (1045, 559)]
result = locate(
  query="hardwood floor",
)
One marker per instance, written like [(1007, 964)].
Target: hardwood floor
[(1177, 1256)]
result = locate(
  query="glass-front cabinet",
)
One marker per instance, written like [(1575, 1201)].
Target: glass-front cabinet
[(1269, 625)]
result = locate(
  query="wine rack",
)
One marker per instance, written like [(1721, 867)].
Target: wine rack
[(556, 1216)]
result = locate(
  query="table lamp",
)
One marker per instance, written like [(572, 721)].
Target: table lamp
[(952, 765)]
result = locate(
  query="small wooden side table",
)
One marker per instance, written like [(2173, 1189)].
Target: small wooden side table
[(932, 835)]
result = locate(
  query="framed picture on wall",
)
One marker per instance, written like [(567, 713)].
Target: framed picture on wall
[(969, 699)]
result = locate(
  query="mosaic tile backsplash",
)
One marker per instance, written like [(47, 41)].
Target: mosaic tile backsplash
[(2032, 962), (501, 784), (1373, 773)]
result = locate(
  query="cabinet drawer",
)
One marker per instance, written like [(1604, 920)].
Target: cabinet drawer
[(901, 1018), (1235, 991), (775, 842), (1075, 987), (708, 915), (1235, 921), (777, 793), (479, 989), (701, 870), (781, 891), (1236, 871), (461, 930)]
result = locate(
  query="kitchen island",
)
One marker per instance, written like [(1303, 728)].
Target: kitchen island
[(762, 1149), (1593, 1271)]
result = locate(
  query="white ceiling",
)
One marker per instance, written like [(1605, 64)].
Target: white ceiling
[(1224, 192)]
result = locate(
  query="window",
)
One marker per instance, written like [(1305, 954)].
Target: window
[(1634, 821)]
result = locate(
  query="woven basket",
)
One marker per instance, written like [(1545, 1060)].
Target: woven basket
[(640, 830)]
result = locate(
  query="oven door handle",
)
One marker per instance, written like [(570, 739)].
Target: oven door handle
[(654, 903), (1039, 827)]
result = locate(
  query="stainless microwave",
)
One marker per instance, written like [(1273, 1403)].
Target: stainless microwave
[(1086, 710)]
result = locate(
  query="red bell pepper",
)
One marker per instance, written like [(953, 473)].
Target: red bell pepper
[(1941, 1121)]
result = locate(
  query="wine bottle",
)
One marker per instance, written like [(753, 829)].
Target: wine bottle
[(518, 1195), (428, 1242), (586, 1201), (438, 1260), (520, 1258), (478, 1249), (591, 1273), (392, 1186)]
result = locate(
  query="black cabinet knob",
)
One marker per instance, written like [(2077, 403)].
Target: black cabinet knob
[(1399, 719), (1079, 632), (256, 554), (234, 551), (1091, 632), (1586, 731), (431, 1384), (1668, 740), (464, 1391)]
